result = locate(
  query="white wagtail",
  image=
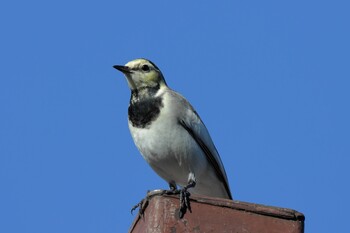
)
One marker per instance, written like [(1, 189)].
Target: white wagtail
[(171, 136)]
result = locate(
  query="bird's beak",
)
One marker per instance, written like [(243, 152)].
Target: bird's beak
[(124, 69)]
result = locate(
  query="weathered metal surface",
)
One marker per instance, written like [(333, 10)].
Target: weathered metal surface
[(216, 215)]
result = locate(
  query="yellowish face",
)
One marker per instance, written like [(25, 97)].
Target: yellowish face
[(143, 73)]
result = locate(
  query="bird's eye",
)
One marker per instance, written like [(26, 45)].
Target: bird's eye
[(145, 68)]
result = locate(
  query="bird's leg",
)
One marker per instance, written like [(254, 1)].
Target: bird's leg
[(173, 189), (185, 198), (172, 186)]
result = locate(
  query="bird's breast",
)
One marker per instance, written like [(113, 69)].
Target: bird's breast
[(142, 113)]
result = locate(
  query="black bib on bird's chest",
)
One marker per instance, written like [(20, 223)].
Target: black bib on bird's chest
[(143, 110)]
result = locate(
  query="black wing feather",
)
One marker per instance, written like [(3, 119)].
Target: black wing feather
[(209, 156)]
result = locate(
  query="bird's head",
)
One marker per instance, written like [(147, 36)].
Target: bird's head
[(142, 73)]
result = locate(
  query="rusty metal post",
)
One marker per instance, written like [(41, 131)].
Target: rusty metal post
[(216, 215)]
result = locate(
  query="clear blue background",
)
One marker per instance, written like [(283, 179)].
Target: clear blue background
[(270, 79)]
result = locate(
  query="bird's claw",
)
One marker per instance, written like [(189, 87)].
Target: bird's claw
[(184, 202), (144, 202), (141, 205), (184, 199)]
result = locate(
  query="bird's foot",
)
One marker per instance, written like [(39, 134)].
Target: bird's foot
[(144, 202), (184, 202), (184, 199), (141, 205)]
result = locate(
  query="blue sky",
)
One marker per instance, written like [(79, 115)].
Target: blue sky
[(270, 80)]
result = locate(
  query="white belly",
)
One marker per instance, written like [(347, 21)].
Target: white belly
[(170, 151)]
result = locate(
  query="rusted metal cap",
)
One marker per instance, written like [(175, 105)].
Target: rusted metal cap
[(216, 215)]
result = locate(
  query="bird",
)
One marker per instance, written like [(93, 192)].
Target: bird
[(171, 136)]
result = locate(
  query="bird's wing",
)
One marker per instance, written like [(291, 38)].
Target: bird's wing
[(196, 128)]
